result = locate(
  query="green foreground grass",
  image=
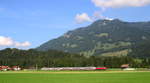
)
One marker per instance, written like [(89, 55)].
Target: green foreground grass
[(75, 77)]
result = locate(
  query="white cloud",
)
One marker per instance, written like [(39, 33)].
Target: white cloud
[(7, 41), (120, 3), (98, 15), (81, 18), (23, 44), (104, 4)]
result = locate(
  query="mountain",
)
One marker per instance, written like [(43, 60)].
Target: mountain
[(103, 37), (141, 50)]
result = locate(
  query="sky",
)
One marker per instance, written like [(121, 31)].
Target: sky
[(27, 24)]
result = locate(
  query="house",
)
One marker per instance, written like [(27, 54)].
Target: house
[(16, 68), (124, 66), (5, 68)]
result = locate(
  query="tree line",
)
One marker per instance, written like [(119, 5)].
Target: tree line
[(32, 58)]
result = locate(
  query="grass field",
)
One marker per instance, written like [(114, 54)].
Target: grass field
[(75, 77)]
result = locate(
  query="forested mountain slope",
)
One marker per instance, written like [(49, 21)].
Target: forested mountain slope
[(103, 37)]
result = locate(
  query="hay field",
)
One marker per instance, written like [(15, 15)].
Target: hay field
[(75, 77)]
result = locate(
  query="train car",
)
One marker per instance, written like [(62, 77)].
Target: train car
[(74, 68), (101, 68), (70, 68)]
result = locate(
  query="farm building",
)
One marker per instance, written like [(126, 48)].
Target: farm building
[(16, 68), (124, 66), (5, 68)]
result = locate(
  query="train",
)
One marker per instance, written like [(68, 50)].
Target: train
[(73, 68)]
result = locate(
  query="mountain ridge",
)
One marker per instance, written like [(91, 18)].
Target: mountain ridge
[(103, 37)]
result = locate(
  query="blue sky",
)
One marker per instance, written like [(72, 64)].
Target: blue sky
[(37, 21)]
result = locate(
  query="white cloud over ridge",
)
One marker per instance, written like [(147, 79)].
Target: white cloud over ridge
[(84, 17), (98, 15), (104, 4), (23, 44), (81, 18), (7, 41), (120, 3)]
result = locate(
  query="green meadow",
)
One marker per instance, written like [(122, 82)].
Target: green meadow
[(75, 77)]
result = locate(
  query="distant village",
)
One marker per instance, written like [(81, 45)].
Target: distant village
[(7, 68)]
